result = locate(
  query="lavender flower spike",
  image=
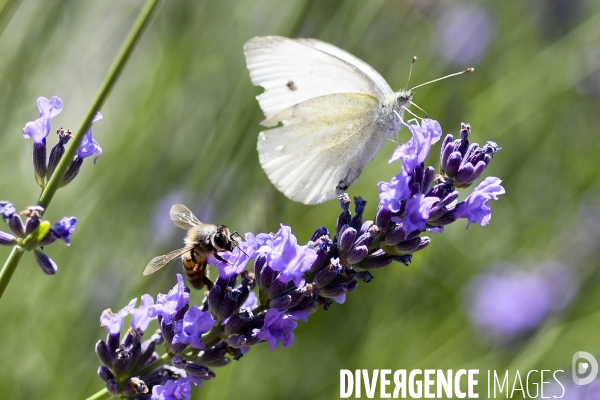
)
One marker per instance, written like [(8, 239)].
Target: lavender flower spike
[(40, 128), (475, 207), (89, 146)]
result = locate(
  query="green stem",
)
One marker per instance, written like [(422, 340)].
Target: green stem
[(9, 267), (114, 73), (102, 394)]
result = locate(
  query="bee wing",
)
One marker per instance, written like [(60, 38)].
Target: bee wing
[(183, 217), (160, 261)]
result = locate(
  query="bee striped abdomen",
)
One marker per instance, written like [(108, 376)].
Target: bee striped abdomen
[(196, 272)]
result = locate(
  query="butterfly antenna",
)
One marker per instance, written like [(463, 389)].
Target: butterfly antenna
[(444, 77), (410, 71)]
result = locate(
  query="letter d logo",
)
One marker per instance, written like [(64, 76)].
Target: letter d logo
[(584, 372)]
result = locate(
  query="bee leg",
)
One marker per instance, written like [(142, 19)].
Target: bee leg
[(193, 257), (218, 257), (209, 284), (238, 235)]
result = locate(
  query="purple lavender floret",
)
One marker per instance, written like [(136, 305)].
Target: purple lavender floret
[(89, 146), (40, 128), (64, 228), (167, 305), (190, 329), (279, 327), (114, 322), (475, 208)]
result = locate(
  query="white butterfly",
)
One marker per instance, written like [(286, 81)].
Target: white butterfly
[(336, 114)]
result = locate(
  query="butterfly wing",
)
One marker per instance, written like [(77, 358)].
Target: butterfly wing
[(323, 145), (379, 81), (293, 71)]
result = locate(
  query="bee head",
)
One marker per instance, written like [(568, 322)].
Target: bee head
[(222, 239)]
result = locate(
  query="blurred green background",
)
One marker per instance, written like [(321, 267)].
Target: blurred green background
[(181, 126)]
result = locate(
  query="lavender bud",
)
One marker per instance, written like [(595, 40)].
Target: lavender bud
[(346, 238), (7, 240), (214, 299), (236, 341), (365, 227), (259, 264), (198, 370), (179, 362), (395, 236), (113, 388), (72, 171), (147, 352), (345, 218), (377, 259), (405, 259), (276, 289), (55, 155), (325, 276), (357, 254), (351, 286), (39, 162), (383, 218), (359, 209), (103, 353), (267, 277), (332, 291), (227, 308), (178, 348), (48, 266), (15, 223), (408, 246), (320, 232), (105, 374), (234, 324), (213, 354)]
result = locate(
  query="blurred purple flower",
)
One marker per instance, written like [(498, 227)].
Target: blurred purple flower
[(89, 146), (194, 324), (139, 316), (167, 305), (464, 33), (568, 390), (40, 128), (508, 302), (279, 327), (475, 207), (114, 322)]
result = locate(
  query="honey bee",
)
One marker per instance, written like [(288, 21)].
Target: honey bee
[(201, 241)]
